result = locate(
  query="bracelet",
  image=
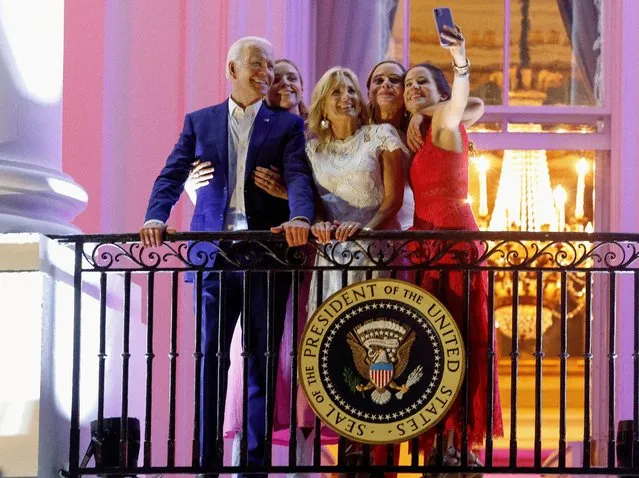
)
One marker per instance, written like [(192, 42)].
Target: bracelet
[(462, 71), (366, 229)]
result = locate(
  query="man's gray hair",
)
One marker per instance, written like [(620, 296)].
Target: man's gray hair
[(235, 52)]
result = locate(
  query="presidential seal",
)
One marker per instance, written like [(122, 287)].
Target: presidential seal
[(381, 361)]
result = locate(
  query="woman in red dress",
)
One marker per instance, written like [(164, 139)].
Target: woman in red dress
[(439, 178)]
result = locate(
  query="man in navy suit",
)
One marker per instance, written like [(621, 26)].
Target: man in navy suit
[(235, 137)]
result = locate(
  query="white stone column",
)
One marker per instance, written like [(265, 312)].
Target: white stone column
[(36, 195)]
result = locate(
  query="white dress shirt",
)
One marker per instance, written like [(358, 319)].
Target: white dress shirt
[(240, 129)]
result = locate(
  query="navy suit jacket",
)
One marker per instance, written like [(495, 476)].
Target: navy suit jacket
[(277, 140)]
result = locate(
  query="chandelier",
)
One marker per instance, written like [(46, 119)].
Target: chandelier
[(526, 201), (524, 196)]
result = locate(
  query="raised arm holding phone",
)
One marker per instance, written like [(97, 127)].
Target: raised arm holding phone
[(439, 177)]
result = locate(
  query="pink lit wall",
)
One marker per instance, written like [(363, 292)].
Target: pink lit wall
[(131, 72), (82, 105), (624, 174)]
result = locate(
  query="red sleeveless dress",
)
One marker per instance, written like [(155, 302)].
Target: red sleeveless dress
[(439, 179)]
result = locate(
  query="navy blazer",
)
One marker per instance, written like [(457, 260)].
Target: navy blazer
[(277, 140)]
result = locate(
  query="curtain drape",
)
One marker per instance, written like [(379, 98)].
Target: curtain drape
[(582, 20), (353, 33)]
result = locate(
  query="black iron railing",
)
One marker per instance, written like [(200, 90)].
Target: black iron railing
[(551, 277)]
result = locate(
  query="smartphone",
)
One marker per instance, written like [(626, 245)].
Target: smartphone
[(443, 17)]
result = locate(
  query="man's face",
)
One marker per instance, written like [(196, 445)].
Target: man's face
[(252, 75)]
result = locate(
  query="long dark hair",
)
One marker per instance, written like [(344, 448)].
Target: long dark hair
[(369, 80), (302, 105), (440, 79), (444, 90)]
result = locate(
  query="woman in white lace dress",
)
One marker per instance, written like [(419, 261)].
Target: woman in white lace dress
[(357, 168)]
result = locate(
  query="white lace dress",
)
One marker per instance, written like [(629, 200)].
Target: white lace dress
[(348, 177)]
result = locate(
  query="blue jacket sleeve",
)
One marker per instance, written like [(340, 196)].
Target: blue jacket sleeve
[(170, 183), (297, 173)]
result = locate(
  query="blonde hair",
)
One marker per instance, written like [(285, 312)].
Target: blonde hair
[(321, 91)]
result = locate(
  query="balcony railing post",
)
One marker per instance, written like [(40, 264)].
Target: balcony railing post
[(587, 441), (539, 357), (246, 355), (173, 357), (126, 356), (197, 371), (612, 358), (74, 438), (223, 354), (150, 356), (491, 369), (563, 357), (514, 370), (270, 367), (102, 354)]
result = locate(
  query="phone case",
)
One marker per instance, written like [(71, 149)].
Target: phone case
[(443, 16)]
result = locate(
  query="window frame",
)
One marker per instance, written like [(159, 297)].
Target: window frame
[(546, 114)]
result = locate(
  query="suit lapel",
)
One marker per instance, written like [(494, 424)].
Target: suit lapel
[(220, 133), (261, 127)]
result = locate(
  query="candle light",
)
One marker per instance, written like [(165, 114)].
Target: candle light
[(482, 167), (560, 203), (582, 169)]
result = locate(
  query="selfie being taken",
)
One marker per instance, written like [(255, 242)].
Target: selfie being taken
[(327, 238)]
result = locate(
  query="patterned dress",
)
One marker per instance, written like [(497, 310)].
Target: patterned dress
[(439, 179)]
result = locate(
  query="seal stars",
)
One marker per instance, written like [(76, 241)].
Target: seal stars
[(381, 361)]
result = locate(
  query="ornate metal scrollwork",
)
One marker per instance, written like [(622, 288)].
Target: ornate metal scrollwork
[(378, 250)]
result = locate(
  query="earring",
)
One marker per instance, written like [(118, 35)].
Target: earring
[(325, 124)]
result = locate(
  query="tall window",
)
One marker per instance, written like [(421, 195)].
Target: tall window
[(538, 66)]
